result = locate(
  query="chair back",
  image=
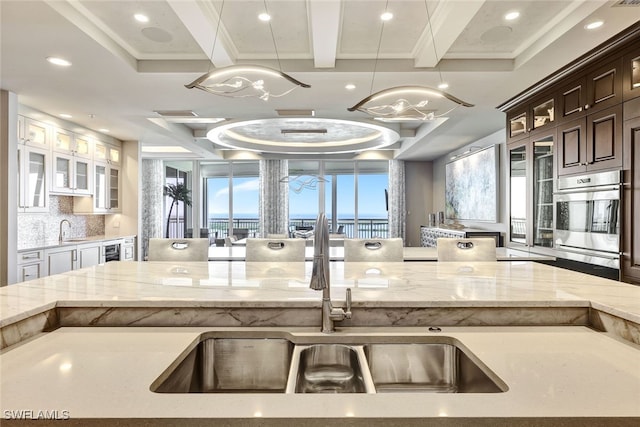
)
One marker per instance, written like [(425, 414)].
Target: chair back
[(476, 249), (373, 250), (275, 250), (178, 249)]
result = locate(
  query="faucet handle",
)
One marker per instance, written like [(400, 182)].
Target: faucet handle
[(347, 312)]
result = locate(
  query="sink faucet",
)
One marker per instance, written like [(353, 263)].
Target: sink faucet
[(320, 279), (61, 236)]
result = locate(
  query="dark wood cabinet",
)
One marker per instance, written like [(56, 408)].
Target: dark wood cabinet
[(572, 97), (630, 261), (631, 73), (604, 86), (591, 143), (533, 117)]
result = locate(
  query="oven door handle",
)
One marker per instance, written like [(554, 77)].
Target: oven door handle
[(587, 190), (603, 255)]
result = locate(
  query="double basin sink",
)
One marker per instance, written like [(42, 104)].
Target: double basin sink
[(278, 362)]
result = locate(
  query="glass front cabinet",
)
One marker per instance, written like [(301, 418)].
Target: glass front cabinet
[(531, 187)]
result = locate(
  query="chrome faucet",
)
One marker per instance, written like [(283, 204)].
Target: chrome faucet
[(320, 279), (60, 235)]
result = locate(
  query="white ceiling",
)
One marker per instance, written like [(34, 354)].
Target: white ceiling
[(124, 70)]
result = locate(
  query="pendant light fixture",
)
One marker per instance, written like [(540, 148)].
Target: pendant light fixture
[(408, 102), (244, 81)]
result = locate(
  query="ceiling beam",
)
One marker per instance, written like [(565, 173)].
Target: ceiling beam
[(448, 21), (202, 23), (324, 21)]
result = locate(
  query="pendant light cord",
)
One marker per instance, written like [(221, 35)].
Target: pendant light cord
[(215, 37), (273, 37), (375, 63), (433, 40)]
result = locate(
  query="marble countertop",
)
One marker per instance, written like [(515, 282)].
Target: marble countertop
[(97, 373), (73, 241), (241, 284), (336, 253)]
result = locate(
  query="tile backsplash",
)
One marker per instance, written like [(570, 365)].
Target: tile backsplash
[(37, 229)]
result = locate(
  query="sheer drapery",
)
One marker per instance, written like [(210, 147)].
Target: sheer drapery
[(397, 212), (152, 180), (274, 197)]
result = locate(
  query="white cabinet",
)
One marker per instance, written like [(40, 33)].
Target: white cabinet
[(60, 260), (106, 192), (33, 179), (30, 265), (89, 254), (128, 252), (67, 142), (71, 175), (107, 153), (34, 133)]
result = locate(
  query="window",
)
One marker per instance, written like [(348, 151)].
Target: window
[(231, 198), (177, 215)]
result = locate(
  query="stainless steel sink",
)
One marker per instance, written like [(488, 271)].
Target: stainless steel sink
[(428, 367), (329, 368), (279, 362), (228, 365)]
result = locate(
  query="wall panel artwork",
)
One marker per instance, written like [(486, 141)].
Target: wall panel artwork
[(471, 187)]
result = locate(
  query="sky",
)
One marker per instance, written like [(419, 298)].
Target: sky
[(371, 199)]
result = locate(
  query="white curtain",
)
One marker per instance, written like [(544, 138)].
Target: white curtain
[(274, 197), (152, 201), (397, 210)]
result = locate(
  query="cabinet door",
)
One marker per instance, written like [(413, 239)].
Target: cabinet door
[(63, 141), (571, 100), (572, 147), (62, 173), (100, 187), (518, 188), (36, 134), (631, 74), (88, 255), (517, 124), (542, 112), (61, 261), (604, 140), (543, 177), (604, 86), (33, 179), (83, 147), (114, 189), (630, 261), (30, 272), (82, 176)]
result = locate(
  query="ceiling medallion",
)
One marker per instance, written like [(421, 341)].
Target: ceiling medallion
[(302, 136)]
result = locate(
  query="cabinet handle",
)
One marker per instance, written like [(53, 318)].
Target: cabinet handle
[(586, 107), (74, 255), (32, 256)]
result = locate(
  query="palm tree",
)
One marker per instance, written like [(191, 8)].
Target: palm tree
[(178, 193)]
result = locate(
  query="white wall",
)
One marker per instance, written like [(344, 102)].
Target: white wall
[(499, 138)]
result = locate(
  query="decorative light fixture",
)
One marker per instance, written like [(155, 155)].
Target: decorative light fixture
[(297, 183), (242, 81), (409, 103)]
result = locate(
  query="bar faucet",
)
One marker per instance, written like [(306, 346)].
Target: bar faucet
[(320, 279), (60, 235)]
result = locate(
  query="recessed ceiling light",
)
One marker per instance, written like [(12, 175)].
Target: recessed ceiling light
[(387, 16), (65, 116), (512, 15), (350, 86), (141, 18), (264, 17), (58, 61), (593, 25), (443, 85)]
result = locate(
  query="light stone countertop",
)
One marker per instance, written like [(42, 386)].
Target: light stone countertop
[(106, 373), (240, 284), (73, 241)]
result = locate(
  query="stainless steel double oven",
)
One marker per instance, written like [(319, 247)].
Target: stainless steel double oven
[(587, 218)]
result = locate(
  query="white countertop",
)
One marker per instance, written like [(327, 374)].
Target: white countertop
[(107, 372), (336, 253), (73, 241), (240, 284)]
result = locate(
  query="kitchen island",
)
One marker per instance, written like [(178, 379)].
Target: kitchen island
[(534, 325)]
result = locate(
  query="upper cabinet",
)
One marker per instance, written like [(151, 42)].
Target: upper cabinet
[(631, 73), (591, 143), (532, 117), (107, 153), (33, 179), (71, 163), (33, 133)]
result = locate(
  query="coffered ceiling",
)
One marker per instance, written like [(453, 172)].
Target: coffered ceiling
[(124, 71)]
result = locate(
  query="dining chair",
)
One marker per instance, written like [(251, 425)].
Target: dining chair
[(178, 249), (369, 250), (275, 250), (475, 249)]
